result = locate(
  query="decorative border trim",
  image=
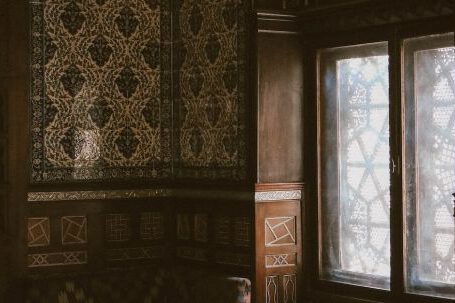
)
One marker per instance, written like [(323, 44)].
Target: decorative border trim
[(57, 259), (280, 260), (136, 194), (95, 195), (265, 196), (136, 253)]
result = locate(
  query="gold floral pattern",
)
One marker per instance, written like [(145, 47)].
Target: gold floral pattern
[(109, 102), (100, 90), (210, 136)]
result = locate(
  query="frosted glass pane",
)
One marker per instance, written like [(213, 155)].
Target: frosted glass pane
[(431, 166), (364, 165), (354, 155)]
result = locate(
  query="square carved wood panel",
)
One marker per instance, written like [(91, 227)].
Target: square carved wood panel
[(38, 231), (280, 231), (74, 230)]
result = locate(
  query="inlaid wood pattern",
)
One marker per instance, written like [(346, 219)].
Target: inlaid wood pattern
[(39, 233), (74, 230), (117, 227), (280, 231), (57, 259)]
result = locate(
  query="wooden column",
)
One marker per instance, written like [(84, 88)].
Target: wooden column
[(278, 191)]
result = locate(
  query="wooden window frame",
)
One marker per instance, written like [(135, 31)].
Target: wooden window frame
[(315, 288)]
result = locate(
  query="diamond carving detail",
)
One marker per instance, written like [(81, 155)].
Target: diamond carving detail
[(74, 230), (280, 231), (38, 232)]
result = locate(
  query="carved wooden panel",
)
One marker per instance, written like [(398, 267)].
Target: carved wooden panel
[(57, 259), (117, 227), (74, 230), (289, 289), (271, 289), (218, 233), (152, 225), (38, 232), (222, 229), (280, 231), (280, 260), (278, 248), (201, 227)]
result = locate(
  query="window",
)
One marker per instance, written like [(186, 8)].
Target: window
[(354, 128), (430, 163), (355, 166)]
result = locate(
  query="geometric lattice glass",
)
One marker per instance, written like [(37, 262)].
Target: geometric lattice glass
[(354, 160), (430, 163), (364, 165)]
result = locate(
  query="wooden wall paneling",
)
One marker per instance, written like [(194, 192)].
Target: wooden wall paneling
[(4, 245), (16, 82), (280, 100), (364, 14), (215, 234), (278, 245)]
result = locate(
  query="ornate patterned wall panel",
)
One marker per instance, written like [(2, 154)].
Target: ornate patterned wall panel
[(209, 95), (100, 94)]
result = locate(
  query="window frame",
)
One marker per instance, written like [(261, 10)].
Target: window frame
[(395, 34), (329, 67)]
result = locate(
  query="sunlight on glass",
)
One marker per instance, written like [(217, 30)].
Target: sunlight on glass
[(435, 100), (364, 165)]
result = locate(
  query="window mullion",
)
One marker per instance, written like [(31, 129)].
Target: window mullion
[(396, 169)]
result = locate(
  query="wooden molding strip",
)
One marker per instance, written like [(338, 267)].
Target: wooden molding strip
[(278, 186)]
